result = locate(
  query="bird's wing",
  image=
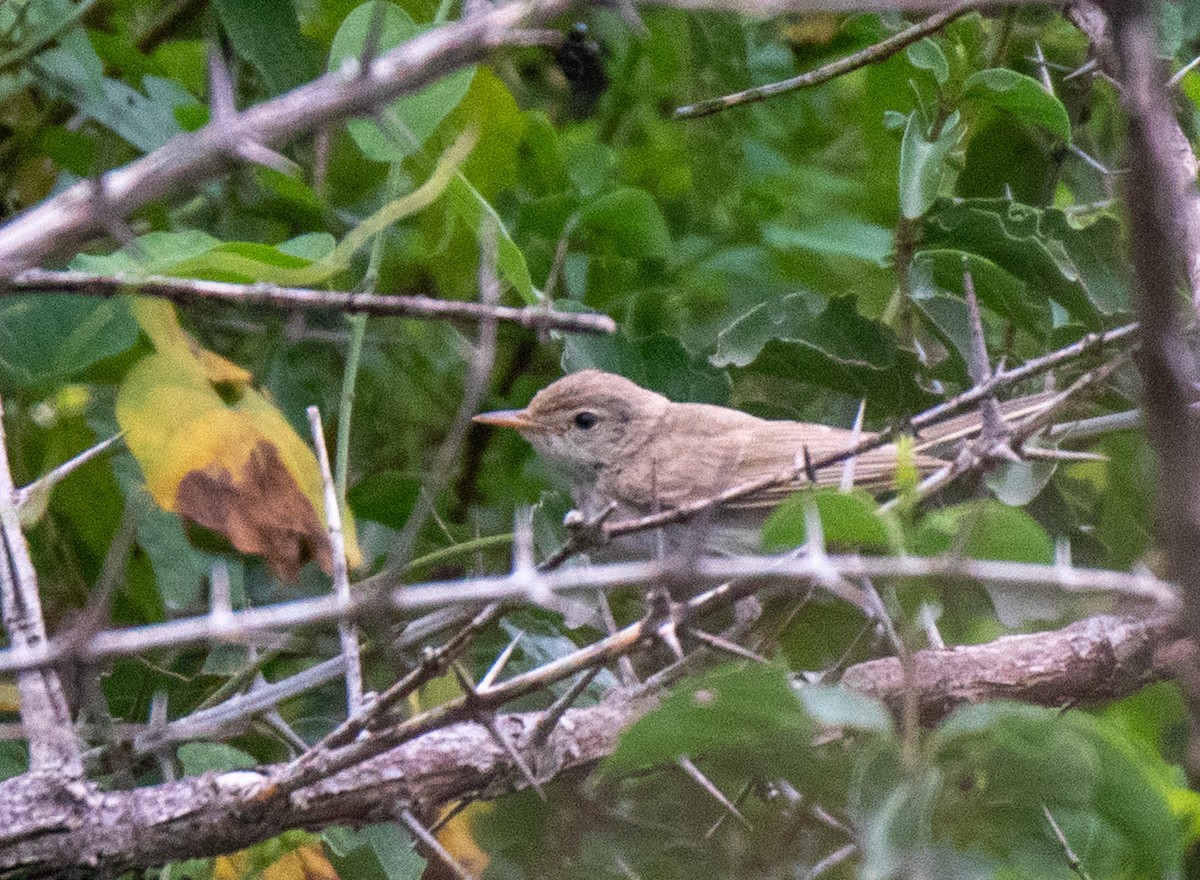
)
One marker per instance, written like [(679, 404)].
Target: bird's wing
[(783, 445)]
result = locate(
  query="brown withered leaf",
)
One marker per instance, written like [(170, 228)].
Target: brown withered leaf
[(262, 512)]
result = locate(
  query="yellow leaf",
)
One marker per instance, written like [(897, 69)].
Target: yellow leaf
[(458, 837), (216, 450)]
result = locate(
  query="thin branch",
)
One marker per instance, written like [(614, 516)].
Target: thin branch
[(347, 631), (53, 746), (797, 573), (184, 290), (443, 855), (34, 496), (697, 775), (873, 54)]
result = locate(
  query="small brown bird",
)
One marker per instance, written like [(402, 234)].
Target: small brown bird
[(626, 444)]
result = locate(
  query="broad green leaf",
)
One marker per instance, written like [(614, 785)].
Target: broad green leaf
[(386, 497), (985, 529), (837, 348), (377, 851), (630, 222), (849, 520), (405, 124), (923, 163), (739, 713), (1105, 790), (892, 811), (1005, 294), (1016, 483), (837, 236), (267, 34), (147, 121), (658, 361), (156, 254), (838, 706), (1084, 269), (989, 529), (473, 209), (1021, 96), (928, 55), (51, 337)]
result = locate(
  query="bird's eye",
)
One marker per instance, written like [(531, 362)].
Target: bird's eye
[(585, 420)]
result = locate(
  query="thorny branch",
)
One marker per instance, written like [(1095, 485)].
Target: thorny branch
[(1102, 658), (45, 715), (796, 572)]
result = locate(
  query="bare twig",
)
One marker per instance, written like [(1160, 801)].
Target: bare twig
[(435, 846), (347, 631), (799, 573), (190, 289), (873, 54), (53, 746)]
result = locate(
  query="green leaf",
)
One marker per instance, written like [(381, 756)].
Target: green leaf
[(928, 55), (267, 34), (837, 348), (745, 714), (1016, 483), (923, 163), (147, 121), (630, 222), (658, 361), (156, 253), (941, 271), (837, 236), (471, 208), (377, 851), (838, 706), (386, 497), (1112, 797), (1082, 269), (1021, 96), (849, 520), (50, 337), (408, 122), (199, 757), (985, 529), (988, 529)]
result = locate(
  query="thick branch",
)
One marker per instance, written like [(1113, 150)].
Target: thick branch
[(1094, 660), (65, 221), (1102, 658), (1156, 210)]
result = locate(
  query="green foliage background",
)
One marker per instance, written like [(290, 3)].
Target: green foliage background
[(788, 258)]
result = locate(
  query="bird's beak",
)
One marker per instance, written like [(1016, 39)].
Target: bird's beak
[(508, 418)]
